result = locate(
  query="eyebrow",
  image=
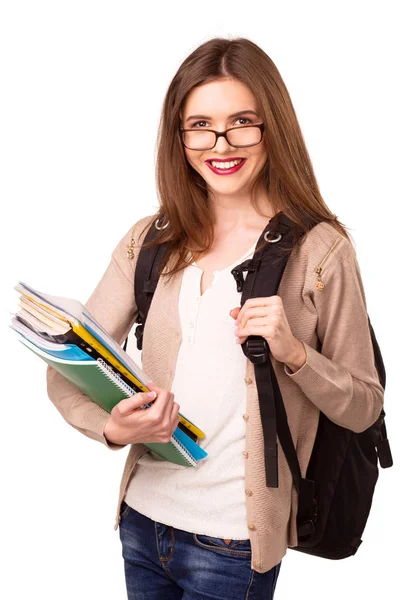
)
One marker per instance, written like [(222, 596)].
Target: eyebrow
[(236, 114)]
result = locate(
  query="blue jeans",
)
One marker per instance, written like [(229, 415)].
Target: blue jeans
[(166, 563)]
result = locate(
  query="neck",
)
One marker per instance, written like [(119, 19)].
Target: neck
[(235, 213)]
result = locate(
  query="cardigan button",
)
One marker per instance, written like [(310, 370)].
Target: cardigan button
[(248, 492), (248, 380), (251, 526), (246, 417), (245, 454)]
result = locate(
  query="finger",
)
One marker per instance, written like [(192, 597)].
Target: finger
[(174, 417), (234, 313), (177, 421), (174, 408), (160, 406), (261, 308), (127, 406), (160, 391), (255, 322), (251, 313), (252, 302), (274, 313), (153, 386)]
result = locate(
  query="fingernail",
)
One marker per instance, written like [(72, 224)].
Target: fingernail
[(151, 395)]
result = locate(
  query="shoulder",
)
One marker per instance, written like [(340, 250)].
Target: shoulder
[(325, 255), (328, 259), (125, 253), (134, 234), (323, 244)]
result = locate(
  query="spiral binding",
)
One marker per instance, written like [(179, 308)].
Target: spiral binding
[(115, 378), (182, 450), (120, 383)]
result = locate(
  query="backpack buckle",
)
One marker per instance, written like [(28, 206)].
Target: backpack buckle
[(256, 349), (237, 272)]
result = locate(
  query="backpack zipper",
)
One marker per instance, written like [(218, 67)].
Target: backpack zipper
[(318, 270)]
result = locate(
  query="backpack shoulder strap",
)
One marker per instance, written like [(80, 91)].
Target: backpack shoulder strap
[(147, 274)]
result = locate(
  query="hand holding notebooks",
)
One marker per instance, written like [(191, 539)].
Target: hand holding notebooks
[(64, 334)]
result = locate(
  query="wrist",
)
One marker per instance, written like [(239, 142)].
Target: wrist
[(109, 431), (299, 357)]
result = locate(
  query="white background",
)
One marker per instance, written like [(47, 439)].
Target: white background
[(82, 86)]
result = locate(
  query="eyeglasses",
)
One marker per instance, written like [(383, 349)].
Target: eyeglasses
[(238, 137)]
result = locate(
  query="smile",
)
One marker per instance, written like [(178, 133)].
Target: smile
[(225, 167)]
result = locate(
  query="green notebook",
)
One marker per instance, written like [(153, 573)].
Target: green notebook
[(96, 379)]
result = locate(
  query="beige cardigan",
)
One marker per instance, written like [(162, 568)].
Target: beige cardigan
[(338, 378)]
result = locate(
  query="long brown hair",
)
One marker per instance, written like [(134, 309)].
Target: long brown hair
[(287, 175)]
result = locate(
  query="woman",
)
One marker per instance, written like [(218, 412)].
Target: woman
[(217, 531)]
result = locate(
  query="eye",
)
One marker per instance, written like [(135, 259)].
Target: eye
[(194, 124), (244, 119), (247, 121)]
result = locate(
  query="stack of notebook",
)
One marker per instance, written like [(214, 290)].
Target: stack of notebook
[(62, 332)]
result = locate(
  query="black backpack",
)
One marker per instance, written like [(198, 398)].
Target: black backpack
[(335, 497)]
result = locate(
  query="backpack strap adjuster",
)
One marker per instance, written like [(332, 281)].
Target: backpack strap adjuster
[(139, 330)]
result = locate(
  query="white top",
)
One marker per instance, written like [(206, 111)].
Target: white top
[(209, 386)]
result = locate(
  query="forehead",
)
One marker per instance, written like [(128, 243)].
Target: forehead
[(219, 98)]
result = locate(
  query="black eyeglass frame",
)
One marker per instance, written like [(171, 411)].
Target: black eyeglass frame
[(223, 134)]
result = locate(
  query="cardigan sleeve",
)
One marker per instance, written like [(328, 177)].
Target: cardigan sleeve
[(341, 379), (112, 304)]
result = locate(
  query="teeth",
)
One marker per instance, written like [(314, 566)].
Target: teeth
[(226, 165)]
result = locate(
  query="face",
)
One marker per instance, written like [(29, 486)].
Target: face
[(214, 103)]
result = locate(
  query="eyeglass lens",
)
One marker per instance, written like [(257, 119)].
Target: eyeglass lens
[(202, 139)]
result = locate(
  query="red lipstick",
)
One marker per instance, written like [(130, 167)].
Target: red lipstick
[(226, 171)]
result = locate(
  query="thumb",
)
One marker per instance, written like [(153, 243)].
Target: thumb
[(126, 406), (234, 312)]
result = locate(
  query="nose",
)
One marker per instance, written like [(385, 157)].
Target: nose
[(222, 145)]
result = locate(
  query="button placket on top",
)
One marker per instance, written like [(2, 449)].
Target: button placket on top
[(248, 380), (251, 525), (195, 301)]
